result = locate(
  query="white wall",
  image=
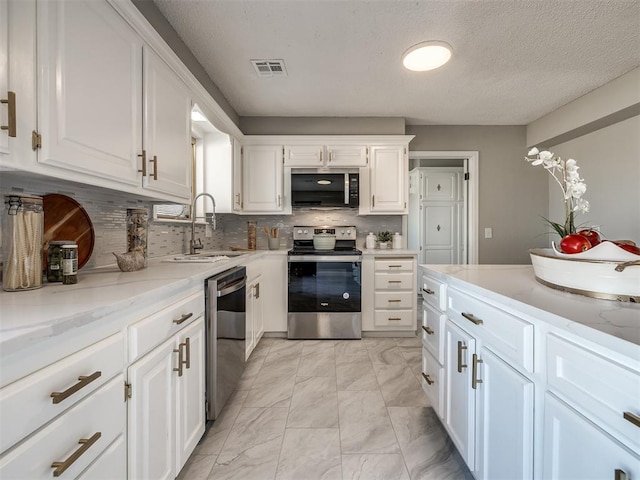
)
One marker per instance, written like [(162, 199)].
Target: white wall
[(609, 161)]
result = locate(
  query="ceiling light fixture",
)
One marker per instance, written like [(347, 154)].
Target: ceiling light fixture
[(324, 182), (426, 56)]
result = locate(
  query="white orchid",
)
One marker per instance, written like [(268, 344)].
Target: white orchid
[(565, 173)]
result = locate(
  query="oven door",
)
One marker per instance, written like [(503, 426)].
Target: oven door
[(324, 298)]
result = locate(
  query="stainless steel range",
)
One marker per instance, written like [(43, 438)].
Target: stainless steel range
[(324, 283)]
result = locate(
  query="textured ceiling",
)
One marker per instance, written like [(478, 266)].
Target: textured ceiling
[(514, 60)]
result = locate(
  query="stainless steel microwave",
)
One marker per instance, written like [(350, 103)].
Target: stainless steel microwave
[(332, 189)]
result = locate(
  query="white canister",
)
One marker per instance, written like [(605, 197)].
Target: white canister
[(370, 241), (397, 241)]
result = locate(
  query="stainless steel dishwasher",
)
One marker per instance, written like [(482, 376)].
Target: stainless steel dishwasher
[(225, 302)]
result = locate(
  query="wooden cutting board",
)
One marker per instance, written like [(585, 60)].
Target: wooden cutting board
[(65, 219)]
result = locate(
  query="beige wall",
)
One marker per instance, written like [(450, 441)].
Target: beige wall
[(609, 161), (322, 125), (512, 194)]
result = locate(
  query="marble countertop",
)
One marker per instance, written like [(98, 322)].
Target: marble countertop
[(515, 286), (28, 316), (388, 251)]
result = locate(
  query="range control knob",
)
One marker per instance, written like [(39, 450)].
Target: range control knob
[(348, 232), (299, 231), (306, 231)]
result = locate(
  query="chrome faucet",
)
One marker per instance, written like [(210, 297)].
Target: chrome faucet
[(194, 245)]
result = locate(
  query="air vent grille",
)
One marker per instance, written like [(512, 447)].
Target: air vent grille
[(269, 68)]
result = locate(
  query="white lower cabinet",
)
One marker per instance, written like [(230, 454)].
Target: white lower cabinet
[(166, 405), (255, 319), (273, 291), (574, 448), (111, 465)]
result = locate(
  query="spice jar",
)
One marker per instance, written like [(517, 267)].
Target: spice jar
[(54, 260), (251, 235), (137, 226), (22, 229), (69, 264)]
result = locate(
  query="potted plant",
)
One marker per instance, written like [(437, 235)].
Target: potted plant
[(384, 238)]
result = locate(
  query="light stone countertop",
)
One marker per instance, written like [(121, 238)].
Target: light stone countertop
[(615, 325), (28, 317), (388, 252)]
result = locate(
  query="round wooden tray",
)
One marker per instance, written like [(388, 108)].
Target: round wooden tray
[(65, 219)]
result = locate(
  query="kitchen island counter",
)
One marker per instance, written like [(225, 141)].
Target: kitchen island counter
[(515, 286)]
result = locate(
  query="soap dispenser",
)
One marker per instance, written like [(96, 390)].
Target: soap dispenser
[(371, 241)]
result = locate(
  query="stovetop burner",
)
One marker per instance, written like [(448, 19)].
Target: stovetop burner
[(345, 240)]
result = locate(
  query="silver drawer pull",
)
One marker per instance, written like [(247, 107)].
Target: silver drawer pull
[(461, 365), (428, 291), (183, 318), (395, 266), (620, 475), (472, 318), (83, 381), (395, 281), (86, 443), (395, 319), (632, 417), (394, 301), (474, 372), (428, 330), (428, 379)]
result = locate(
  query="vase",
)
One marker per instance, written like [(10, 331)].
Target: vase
[(274, 243), (382, 245)]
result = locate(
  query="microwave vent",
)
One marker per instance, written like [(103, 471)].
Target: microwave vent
[(269, 68)]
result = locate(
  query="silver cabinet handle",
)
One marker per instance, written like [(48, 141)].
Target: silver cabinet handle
[(83, 381), (427, 379), (428, 291), (428, 330), (143, 156), (320, 156), (180, 359), (183, 318), (472, 318), (632, 417), (86, 443), (11, 104), (620, 475), (474, 372), (154, 160), (279, 200), (461, 365), (187, 350)]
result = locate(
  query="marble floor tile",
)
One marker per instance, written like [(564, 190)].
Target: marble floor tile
[(316, 346), (414, 359), (218, 431), (427, 450), (282, 345), (350, 347), (314, 403), (414, 341), (310, 454), (251, 370), (197, 467), (355, 372), (374, 467), (261, 350), (372, 342), (321, 364), (257, 462), (365, 426), (271, 392), (386, 354), (399, 386)]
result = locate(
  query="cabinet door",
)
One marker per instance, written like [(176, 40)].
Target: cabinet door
[(273, 292), (237, 175), (440, 233), (167, 129), (459, 408), (89, 90), (440, 186), (258, 318), (151, 415), (346, 155), (250, 333), (304, 156), (190, 414), (574, 448), (111, 464), (262, 178), (504, 441), (389, 179), (4, 75)]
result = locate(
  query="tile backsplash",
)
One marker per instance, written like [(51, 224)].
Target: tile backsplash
[(108, 210)]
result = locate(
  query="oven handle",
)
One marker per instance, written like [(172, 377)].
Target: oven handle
[(233, 287), (325, 258)]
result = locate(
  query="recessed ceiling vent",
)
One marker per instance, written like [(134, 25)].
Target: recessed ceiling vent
[(269, 68)]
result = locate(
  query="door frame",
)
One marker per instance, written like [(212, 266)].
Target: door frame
[(472, 158)]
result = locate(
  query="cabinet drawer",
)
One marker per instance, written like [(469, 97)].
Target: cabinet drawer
[(27, 404), (393, 281), (509, 336), (434, 373), (393, 318), (432, 331), (597, 386), (393, 264), (111, 464), (394, 300), (434, 292), (100, 417), (151, 331)]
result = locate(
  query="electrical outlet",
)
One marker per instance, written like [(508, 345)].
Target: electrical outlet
[(488, 232)]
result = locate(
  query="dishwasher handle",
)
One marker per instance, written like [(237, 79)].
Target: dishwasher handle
[(232, 287)]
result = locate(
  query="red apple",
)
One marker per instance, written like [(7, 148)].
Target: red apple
[(592, 236), (630, 248), (574, 243)]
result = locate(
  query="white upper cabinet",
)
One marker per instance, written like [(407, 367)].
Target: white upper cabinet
[(237, 176), (262, 178), (89, 90), (389, 180), (4, 78), (317, 156), (167, 129)]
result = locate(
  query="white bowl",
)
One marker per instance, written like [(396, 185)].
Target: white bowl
[(611, 280), (324, 242)]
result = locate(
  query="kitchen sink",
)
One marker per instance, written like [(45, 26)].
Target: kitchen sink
[(203, 257)]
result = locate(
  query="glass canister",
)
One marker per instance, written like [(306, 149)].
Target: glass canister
[(22, 230), (251, 234), (54, 260), (137, 227)]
